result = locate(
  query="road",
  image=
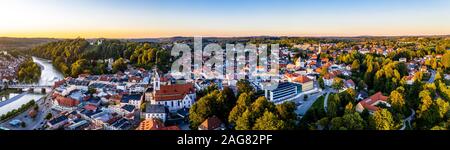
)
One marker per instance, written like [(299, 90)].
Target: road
[(32, 123), (306, 104), (325, 101), (433, 76), (408, 119)]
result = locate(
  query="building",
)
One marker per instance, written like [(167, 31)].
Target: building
[(409, 79), (447, 76), (57, 122), (212, 123), (284, 91), (371, 103), (134, 100), (128, 109), (155, 111), (120, 124), (155, 124), (350, 84), (306, 83), (65, 103), (328, 79), (174, 97), (402, 59)]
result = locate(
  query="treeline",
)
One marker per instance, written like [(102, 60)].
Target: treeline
[(21, 109), (29, 72), (75, 56)]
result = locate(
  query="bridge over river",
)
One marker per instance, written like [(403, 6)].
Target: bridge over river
[(49, 75)]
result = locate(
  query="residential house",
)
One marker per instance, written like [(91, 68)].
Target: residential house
[(155, 124), (134, 99), (349, 84), (305, 82), (155, 111), (212, 123), (65, 103), (371, 103), (57, 122)]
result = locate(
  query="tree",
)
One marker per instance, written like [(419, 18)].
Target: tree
[(225, 103), (336, 123), (243, 122), (397, 101), (383, 120), (268, 121), (243, 102), (333, 105), (243, 86), (321, 83), (286, 112), (446, 59), (425, 102), (338, 83), (438, 128), (36, 107), (29, 71), (443, 107), (323, 122), (202, 109), (91, 91), (355, 65), (349, 108), (49, 116), (119, 65), (79, 67), (353, 121)]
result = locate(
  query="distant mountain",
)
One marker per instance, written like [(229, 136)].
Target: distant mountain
[(8, 43)]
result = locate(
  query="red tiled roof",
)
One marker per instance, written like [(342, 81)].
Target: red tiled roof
[(164, 79), (302, 79), (133, 78), (368, 103), (211, 123), (67, 102), (155, 124), (104, 78), (173, 92), (90, 107)]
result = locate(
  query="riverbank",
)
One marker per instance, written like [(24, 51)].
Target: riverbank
[(17, 111), (6, 93)]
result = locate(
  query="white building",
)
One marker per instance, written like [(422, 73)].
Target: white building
[(155, 111), (283, 92), (175, 97)]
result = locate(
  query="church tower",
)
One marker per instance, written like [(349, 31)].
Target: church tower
[(156, 81), (320, 50)]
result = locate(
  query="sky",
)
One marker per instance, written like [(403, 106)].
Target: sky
[(223, 18)]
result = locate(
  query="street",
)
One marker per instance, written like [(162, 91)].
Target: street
[(306, 104), (31, 123)]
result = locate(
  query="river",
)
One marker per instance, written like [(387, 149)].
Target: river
[(49, 75)]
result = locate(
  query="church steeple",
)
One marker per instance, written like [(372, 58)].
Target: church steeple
[(320, 49), (156, 80)]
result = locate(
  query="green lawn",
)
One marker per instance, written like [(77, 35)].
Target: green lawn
[(316, 111)]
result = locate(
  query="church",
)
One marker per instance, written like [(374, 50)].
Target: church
[(174, 97)]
